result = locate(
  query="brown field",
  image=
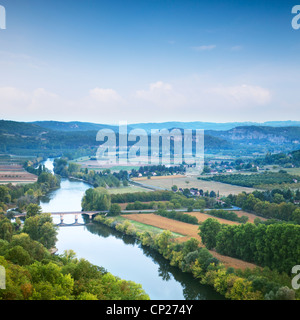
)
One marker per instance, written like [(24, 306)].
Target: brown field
[(250, 216), (189, 231), (192, 182), (15, 174), (165, 223)]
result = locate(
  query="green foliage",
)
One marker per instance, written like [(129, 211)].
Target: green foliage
[(184, 217), (114, 210), (255, 180), (276, 246), (265, 204), (96, 200), (208, 232), (33, 210), (142, 196), (256, 284), (41, 228), (32, 273), (228, 215)]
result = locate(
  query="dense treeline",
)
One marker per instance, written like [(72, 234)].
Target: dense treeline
[(282, 159), (256, 284), (256, 180), (228, 215), (184, 217), (278, 209), (158, 200), (276, 246), (104, 178), (23, 195), (142, 196), (159, 170), (32, 273)]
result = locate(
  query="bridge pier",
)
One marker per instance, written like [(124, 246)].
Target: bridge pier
[(90, 214)]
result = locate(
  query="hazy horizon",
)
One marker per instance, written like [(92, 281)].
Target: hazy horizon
[(149, 61)]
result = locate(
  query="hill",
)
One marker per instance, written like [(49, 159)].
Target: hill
[(55, 138), (73, 126), (87, 126), (260, 135)]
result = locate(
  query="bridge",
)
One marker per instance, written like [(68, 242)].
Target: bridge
[(91, 214)]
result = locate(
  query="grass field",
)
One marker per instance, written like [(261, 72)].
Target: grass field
[(129, 189), (85, 162), (142, 227), (193, 182), (293, 171)]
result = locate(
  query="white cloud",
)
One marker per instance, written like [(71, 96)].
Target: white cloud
[(12, 95), (205, 47), (161, 94), (243, 94), (236, 48), (105, 96), (188, 99)]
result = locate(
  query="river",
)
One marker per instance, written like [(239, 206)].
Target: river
[(119, 254)]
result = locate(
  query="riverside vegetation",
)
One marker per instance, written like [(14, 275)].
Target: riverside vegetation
[(32, 272), (235, 284)]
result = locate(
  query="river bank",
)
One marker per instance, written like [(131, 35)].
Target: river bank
[(126, 259)]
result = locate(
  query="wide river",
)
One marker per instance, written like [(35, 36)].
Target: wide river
[(119, 254)]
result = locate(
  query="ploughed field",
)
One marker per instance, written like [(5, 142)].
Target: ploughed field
[(15, 174), (189, 231)]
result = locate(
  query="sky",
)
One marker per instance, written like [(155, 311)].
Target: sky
[(106, 61)]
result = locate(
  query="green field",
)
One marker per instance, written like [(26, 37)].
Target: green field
[(129, 189), (141, 227), (293, 171)]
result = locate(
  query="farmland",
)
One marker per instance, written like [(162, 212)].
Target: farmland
[(15, 174), (193, 182), (189, 231)]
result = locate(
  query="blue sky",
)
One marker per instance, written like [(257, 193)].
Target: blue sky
[(149, 60)]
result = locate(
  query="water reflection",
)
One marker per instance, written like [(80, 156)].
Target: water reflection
[(118, 253), (192, 289)]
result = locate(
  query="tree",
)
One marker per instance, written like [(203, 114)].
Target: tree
[(206, 169), (115, 210), (208, 232), (4, 194), (33, 210), (96, 200), (174, 188), (41, 228), (296, 216), (18, 255)]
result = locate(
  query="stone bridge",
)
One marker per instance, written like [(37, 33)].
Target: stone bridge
[(91, 214)]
